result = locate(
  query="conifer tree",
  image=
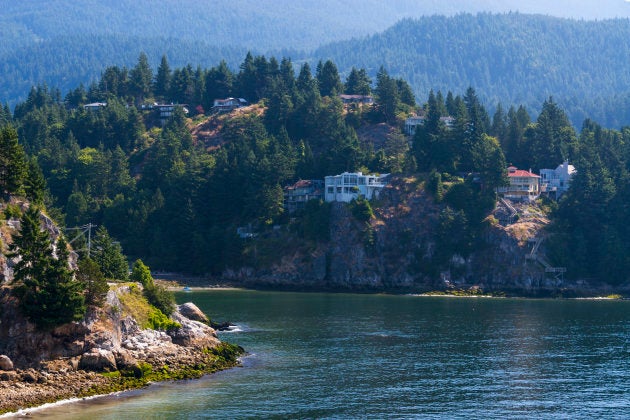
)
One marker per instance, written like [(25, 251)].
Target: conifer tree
[(109, 256), (328, 79), (44, 284), (90, 275), (141, 77), (162, 85), (13, 167)]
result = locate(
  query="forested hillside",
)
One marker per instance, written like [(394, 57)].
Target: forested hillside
[(176, 200), (511, 58)]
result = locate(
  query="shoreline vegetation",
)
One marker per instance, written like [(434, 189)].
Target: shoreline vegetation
[(31, 389), (175, 286)]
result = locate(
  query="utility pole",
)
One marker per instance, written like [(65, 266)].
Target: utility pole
[(83, 230)]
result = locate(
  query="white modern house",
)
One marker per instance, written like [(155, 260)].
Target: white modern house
[(524, 185), (556, 182), (351, 185)]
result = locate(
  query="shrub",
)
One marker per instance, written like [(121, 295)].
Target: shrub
[(361, 209), (158, 321)]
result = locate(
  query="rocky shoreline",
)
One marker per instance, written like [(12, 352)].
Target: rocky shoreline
[(108, 351), (21, 389)]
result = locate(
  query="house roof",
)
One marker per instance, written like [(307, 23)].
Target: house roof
[(520, 173), (303, 183)]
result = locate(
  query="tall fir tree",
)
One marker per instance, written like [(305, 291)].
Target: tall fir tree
[(13, 162), (44, 284)]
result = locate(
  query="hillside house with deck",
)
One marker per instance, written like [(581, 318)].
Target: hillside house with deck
[(524, 185), (351, 185)]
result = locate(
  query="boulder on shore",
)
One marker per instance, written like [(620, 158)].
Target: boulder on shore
[(191, 311), (192, 333), (5, 363), (98, 360)]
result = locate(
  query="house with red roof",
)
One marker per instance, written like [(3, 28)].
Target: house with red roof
[(524, 185)]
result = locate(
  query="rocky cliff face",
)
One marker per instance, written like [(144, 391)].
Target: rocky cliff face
[(391, 253), (105, 340)]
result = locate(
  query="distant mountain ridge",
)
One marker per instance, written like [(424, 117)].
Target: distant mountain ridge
[(512, 58)]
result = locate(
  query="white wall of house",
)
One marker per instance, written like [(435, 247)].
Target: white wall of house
[(524, 185), (351, 185), (557, 180)]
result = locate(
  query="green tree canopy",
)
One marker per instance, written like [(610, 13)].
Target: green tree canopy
[(49, 296)]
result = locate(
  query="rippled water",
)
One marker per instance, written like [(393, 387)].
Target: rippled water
[(375, 356)]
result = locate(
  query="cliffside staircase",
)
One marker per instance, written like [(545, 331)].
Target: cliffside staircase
[(511, 210), (557, 272)]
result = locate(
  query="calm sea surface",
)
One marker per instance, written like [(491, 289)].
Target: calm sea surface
[(388, 357)]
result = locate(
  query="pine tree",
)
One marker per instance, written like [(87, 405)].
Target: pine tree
[(90, 275), (35, 183), (44, 284), (13, 165), (141, 77), (328, 80), (358, 83), (388, 95), (109, 256), (162, 85)]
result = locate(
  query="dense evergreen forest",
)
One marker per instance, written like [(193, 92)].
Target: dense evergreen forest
[(509, 58), (176, 201)]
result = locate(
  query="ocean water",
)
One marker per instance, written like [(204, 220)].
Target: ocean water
[(397, 357)]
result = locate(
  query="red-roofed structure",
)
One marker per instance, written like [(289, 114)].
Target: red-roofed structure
[(524, 185)]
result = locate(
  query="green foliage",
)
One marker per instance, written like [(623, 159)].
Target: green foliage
[(44, 284), (315, 223), (453, 236), (89, 274), (161, 298), (328, 79), (13, 163), (361, 209), (435, 186), (140, 273), (12, 211), (156, 294), (159, 321), (107, 253)]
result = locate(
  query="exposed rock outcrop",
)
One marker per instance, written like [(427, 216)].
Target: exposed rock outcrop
[(394, 252), (191, 311), (98, 360)]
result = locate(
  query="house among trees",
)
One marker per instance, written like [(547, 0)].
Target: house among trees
[(555, 182), (350, 186), (296, 195), (524, 185), (412, 123), (95, 106), (356, 99), (228, 104), (165, 111)]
